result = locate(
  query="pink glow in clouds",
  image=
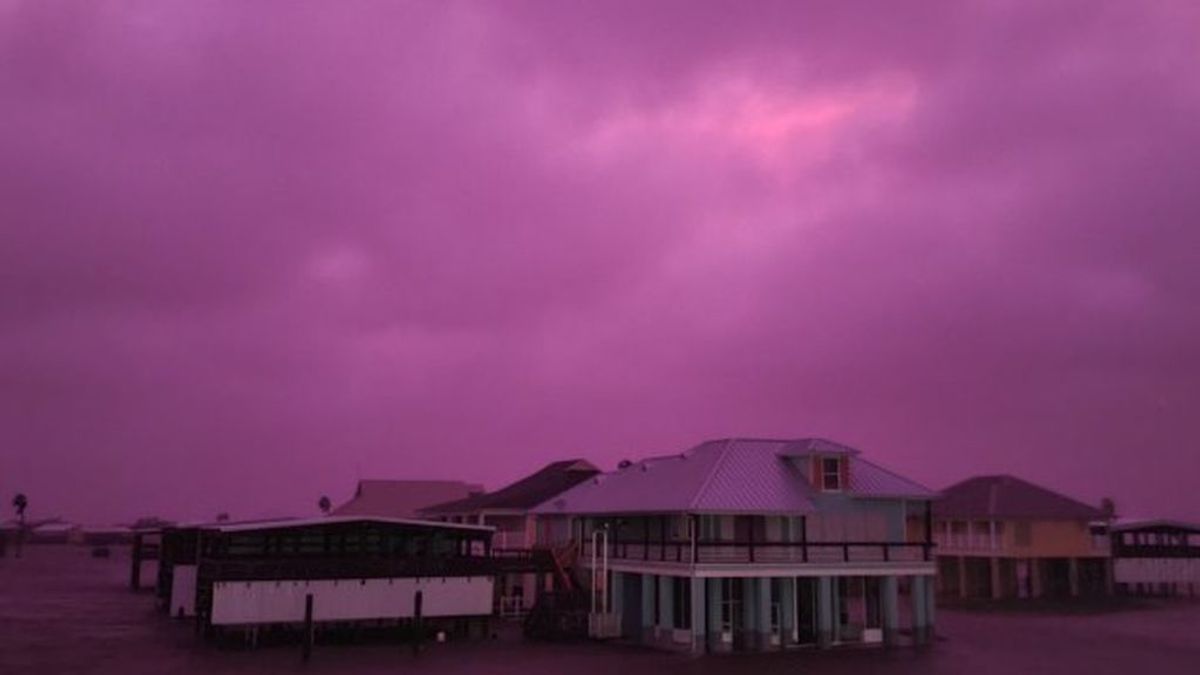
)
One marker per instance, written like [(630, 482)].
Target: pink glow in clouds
[(251, 251)]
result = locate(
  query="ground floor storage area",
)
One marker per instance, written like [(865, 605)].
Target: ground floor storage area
[(994, 577), (749, 613)]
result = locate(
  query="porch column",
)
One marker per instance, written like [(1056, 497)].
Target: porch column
[(930, 608), (648, 592), (891, 610), (962, 576), (997, 591), (919, 606), (714, 613), (749, 614), (1035, 577), (666, 605), (764, 612), (825, 611), (787, 613), (699, 628), (1073, 564)]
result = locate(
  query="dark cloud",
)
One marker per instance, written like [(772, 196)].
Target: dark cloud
[(252, 251)]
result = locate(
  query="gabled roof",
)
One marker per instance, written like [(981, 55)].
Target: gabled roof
[(550, 481), (734, 475), (1006, 496), (402, 498)]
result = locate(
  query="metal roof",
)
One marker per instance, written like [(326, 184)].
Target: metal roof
[(734, 475), (1006, 496), (868, 479)]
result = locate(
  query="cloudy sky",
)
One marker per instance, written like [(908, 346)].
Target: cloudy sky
[(253, 251)]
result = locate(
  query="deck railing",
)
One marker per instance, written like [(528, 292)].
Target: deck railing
[(767, 552)]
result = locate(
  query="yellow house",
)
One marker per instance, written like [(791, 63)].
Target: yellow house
[(1004, 537)]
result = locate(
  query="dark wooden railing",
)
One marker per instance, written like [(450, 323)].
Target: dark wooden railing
[(767, 552)]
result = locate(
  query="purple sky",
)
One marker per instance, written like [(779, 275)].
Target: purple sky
[(252, 251)]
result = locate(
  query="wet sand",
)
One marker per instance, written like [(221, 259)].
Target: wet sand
[(62, 611)]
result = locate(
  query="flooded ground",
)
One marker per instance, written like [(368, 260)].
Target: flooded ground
[(64, 612)]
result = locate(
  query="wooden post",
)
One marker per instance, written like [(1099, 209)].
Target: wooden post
[(418, 627), (135, 571), (306, 654)]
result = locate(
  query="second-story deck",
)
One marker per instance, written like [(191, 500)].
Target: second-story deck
[(763, 552)]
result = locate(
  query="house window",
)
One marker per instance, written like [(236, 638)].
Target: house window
[(831, 473)]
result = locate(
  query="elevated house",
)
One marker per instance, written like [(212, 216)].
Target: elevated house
[(403, 498), (752, 544), (1004, 537), (510, 511), (1156, 557)]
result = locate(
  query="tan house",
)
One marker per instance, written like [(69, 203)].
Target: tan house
[(1004, 537)]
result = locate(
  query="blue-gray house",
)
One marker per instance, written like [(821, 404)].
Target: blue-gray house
[(754, 544)]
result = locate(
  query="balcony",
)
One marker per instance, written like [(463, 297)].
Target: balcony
[(765, 552)]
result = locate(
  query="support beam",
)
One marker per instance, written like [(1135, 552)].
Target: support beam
[(890, 601), (997, 588), (930, 608), (306, 649), (920, 606), (714, 609), (825, 611), (962, 576), (1035, 577), (648, 594), (749, 637), (699, 615), (666, 603), (787, 607), (764, 613), (1073, 576)]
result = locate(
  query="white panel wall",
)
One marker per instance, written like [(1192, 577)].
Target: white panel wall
[(248, 602), (183, 590), (1156, 570)]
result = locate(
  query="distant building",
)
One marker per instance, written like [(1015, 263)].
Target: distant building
[(752, 545), (509, 510), (1004, 537), (403, 498), (54, 532), (1156, 557)]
